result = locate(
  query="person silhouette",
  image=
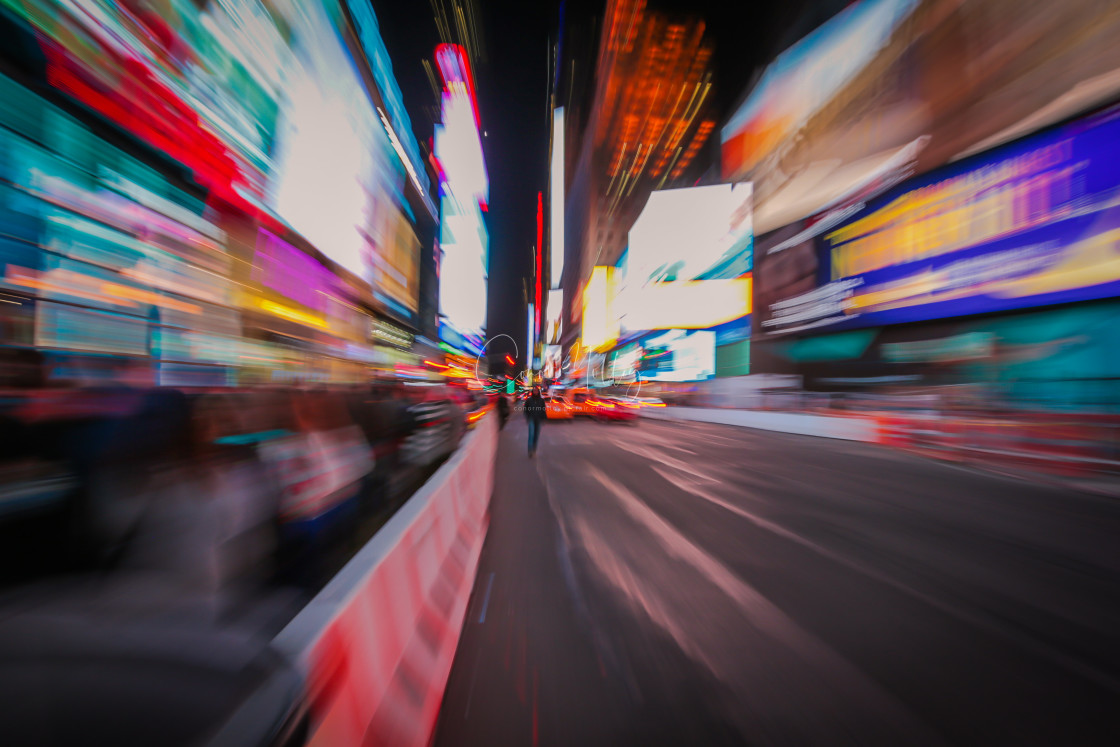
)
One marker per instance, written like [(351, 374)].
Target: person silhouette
[(534, 413)]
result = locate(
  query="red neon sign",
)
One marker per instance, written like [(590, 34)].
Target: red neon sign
[(455, 67), (540, 253)]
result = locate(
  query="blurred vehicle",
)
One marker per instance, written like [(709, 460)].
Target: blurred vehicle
[(94, 668), (437, 424), (650, 401), (614, 408), (581, 401), (558, 408), (473, 404)]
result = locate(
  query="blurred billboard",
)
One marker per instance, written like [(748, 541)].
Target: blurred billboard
[(1028, 224), (264, 106), (697, 233), (398, 123), (464, 193), (684, 304), (804, 78), (553, 357), (674, 355), (890, 88), (338, 179), (556, 201), (600, 322), (689, 260), (553, 322)]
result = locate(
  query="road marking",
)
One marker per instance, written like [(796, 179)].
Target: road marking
[(759, 609), (474, 677), (833, 672), (656, 456), (486, 599), (1034, 645), (536, 682), (599, 638)]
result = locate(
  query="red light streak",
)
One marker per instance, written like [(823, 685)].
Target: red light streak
[(540, 253)]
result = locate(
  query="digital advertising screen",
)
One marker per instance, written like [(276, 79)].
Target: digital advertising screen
[(689, 260), (889, 89), (553, 321), (1029, 224), (339, 181), (553, 360), (625, 363), (675, 355), (464, 194), (600, 317), (804, 78), (696, 233), (262, 103)]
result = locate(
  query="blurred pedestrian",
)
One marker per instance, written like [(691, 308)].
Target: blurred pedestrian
[(534, 413), (503, 410)]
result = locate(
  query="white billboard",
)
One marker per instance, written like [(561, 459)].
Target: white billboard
[(553, 328), (689, 260), (464, 191), (697, 233), (556, 201)]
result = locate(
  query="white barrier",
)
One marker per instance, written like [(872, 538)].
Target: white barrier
[(377, 643), (846, 428)]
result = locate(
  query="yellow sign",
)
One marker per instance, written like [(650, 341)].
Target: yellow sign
[(295, 315), (600, 324)]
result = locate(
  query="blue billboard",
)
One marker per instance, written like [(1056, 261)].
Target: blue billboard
[(1033, 223)]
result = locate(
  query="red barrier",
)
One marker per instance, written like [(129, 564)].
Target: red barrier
[(377, 643), (1070, 446)]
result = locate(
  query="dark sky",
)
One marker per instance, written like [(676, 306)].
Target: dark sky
[(512, 92)]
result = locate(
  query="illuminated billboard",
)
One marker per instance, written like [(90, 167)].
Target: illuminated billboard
[(464, 193), (398, 123), (1029, 224), (685, 304), (806, 77), (556, 201), (889, 88), (552, 368), (201, 84), (553, 329), (339, 180), (689, 260), (675, 355), (263, 104), (697, 233), (600, 323)]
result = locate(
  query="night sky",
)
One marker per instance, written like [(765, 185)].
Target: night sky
[(512, 90)]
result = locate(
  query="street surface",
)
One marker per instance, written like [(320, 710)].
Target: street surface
[(670, 583)]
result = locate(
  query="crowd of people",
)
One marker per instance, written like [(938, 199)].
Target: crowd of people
[(209, 492)]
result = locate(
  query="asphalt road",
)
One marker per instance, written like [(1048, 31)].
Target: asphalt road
[(700, 584)]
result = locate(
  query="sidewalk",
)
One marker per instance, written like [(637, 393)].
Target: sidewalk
[(527, 669)]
